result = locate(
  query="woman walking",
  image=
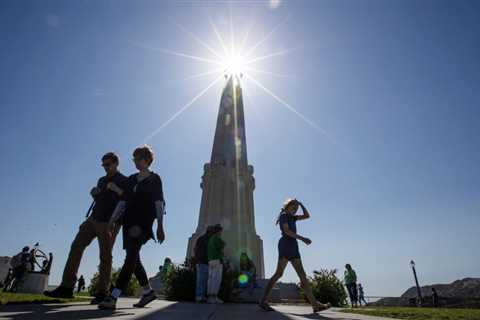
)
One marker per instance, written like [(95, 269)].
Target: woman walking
[(144, 203), (288, 252)]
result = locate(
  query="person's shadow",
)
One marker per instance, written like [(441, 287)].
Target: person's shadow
[(56, 312)]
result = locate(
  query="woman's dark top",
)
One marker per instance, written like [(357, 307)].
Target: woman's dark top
[(140, 208), (288, 246)]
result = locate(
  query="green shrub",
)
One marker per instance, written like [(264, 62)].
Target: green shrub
[(180, 283), (327, 287), (130, 291)]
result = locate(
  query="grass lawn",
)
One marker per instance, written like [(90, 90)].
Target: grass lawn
[(419, 313), (23, 298)]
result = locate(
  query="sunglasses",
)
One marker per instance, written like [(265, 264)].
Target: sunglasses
[(107, 164)]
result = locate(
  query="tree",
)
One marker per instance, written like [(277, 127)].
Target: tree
[(327, 287), (130, 291)]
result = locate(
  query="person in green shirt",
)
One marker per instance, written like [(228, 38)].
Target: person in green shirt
[(350, 278), (215, 267)]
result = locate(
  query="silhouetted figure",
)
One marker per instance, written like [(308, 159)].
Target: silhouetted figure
[(288, 252), (200, 255), (144, 204), (434, 298), (215, 264), (350, 278), (110, 189), (81, 284), (361, 295), (7, 283), (20, 265)]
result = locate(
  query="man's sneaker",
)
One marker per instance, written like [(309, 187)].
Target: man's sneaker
[(218, 301), (211, 300), (98, 298), (60, 292), (146, 299), (200, 299), (109, 303)]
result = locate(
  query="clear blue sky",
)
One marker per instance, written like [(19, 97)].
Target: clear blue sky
[(394, 83)]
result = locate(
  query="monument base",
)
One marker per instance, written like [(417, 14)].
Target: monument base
[(281, 293), (34, 282)]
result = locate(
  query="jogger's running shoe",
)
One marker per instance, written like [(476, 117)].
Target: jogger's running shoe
[(146, 299)]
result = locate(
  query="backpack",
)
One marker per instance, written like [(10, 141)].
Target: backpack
[(17, 260)]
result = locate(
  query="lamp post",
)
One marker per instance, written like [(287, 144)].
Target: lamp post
[(419, 292)]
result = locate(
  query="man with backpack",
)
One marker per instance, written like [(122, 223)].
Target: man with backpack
[(108, 192)]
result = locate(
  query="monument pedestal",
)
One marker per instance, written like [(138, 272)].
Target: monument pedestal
[(34, 282), (281, 293)]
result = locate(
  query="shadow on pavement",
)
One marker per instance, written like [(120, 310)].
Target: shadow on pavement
[(55, 312), (173, 311)]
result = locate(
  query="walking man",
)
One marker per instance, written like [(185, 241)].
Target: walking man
[(108, 192)]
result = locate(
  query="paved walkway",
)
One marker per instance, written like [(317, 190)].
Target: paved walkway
[(167, 310)]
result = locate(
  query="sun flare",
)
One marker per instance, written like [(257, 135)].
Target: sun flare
[(232, 59)]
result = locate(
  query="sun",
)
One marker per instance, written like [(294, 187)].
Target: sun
[(235, 60), (234, 65)]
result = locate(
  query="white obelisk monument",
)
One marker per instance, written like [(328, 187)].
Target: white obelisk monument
[(228, 184)]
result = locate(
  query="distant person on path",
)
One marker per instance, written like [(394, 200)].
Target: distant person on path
[(109, 191), (361, 295), (215, 266), (200, 255), (434, 298), (247, 268), (350, 278), (144, 204), (81, 284), (288, 252)]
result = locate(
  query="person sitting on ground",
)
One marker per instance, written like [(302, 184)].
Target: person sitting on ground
[(350, 278), (215, 267), (200, 256), (288, 252), (248, 269)]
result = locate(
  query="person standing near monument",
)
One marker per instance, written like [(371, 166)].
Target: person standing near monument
[(215, 266), (144, 203), (200, 256), (288, 252), (109, 191), (350, 278)]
